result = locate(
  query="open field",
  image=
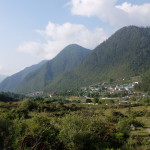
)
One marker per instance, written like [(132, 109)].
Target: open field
[(74, 126)]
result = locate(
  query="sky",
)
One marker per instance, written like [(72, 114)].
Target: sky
[(35, 30)]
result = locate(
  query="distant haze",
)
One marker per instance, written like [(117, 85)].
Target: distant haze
[(2, 77)]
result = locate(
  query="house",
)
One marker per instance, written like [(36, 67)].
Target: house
[(37, 93), (52, 95)]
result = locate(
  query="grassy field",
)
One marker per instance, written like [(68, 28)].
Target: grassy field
[(72, 120)]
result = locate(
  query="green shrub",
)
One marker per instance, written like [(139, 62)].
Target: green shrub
[(79, 133), (37, 133), (123, 125), (28, 104), (5, 141), (18, 132), (88, 101)]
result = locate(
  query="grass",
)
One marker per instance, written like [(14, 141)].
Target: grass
[(140, 136)]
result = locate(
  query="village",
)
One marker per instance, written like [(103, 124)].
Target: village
[(123, 90), (100, 91)]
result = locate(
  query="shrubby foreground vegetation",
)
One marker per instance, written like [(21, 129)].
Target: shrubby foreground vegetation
[(58, 124)]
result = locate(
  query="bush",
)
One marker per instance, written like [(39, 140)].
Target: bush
[(37, 134), (80, 133), (124, 126), (139, 113), (5, 141), (74, 132), (88, 101), (17, 133), (96, 100), (28, 104)]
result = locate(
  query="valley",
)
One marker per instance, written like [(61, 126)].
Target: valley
[(82, 98)]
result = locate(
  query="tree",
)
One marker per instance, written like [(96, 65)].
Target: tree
[(96, 100), (88, 101)]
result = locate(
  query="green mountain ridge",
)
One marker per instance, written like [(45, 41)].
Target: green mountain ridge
[(12, 82), (64, 62), (125, 54)]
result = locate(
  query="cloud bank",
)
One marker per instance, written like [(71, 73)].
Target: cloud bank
[(60, 35), (116, 15), (57, 36)]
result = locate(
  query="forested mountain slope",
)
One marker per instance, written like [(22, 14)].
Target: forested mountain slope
[(12, 82), (64, 62), (125, 54)]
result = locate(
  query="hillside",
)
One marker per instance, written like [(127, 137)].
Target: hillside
[(144, 84), (125, 54), (64, 62), (12, 82)]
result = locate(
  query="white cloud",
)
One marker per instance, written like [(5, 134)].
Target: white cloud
[(137, 14), (58, 36), (109, 11)]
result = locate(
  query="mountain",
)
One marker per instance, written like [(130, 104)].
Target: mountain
[(70, 57), (12, 82), (144, 84), (125, 54), (2, 77)]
